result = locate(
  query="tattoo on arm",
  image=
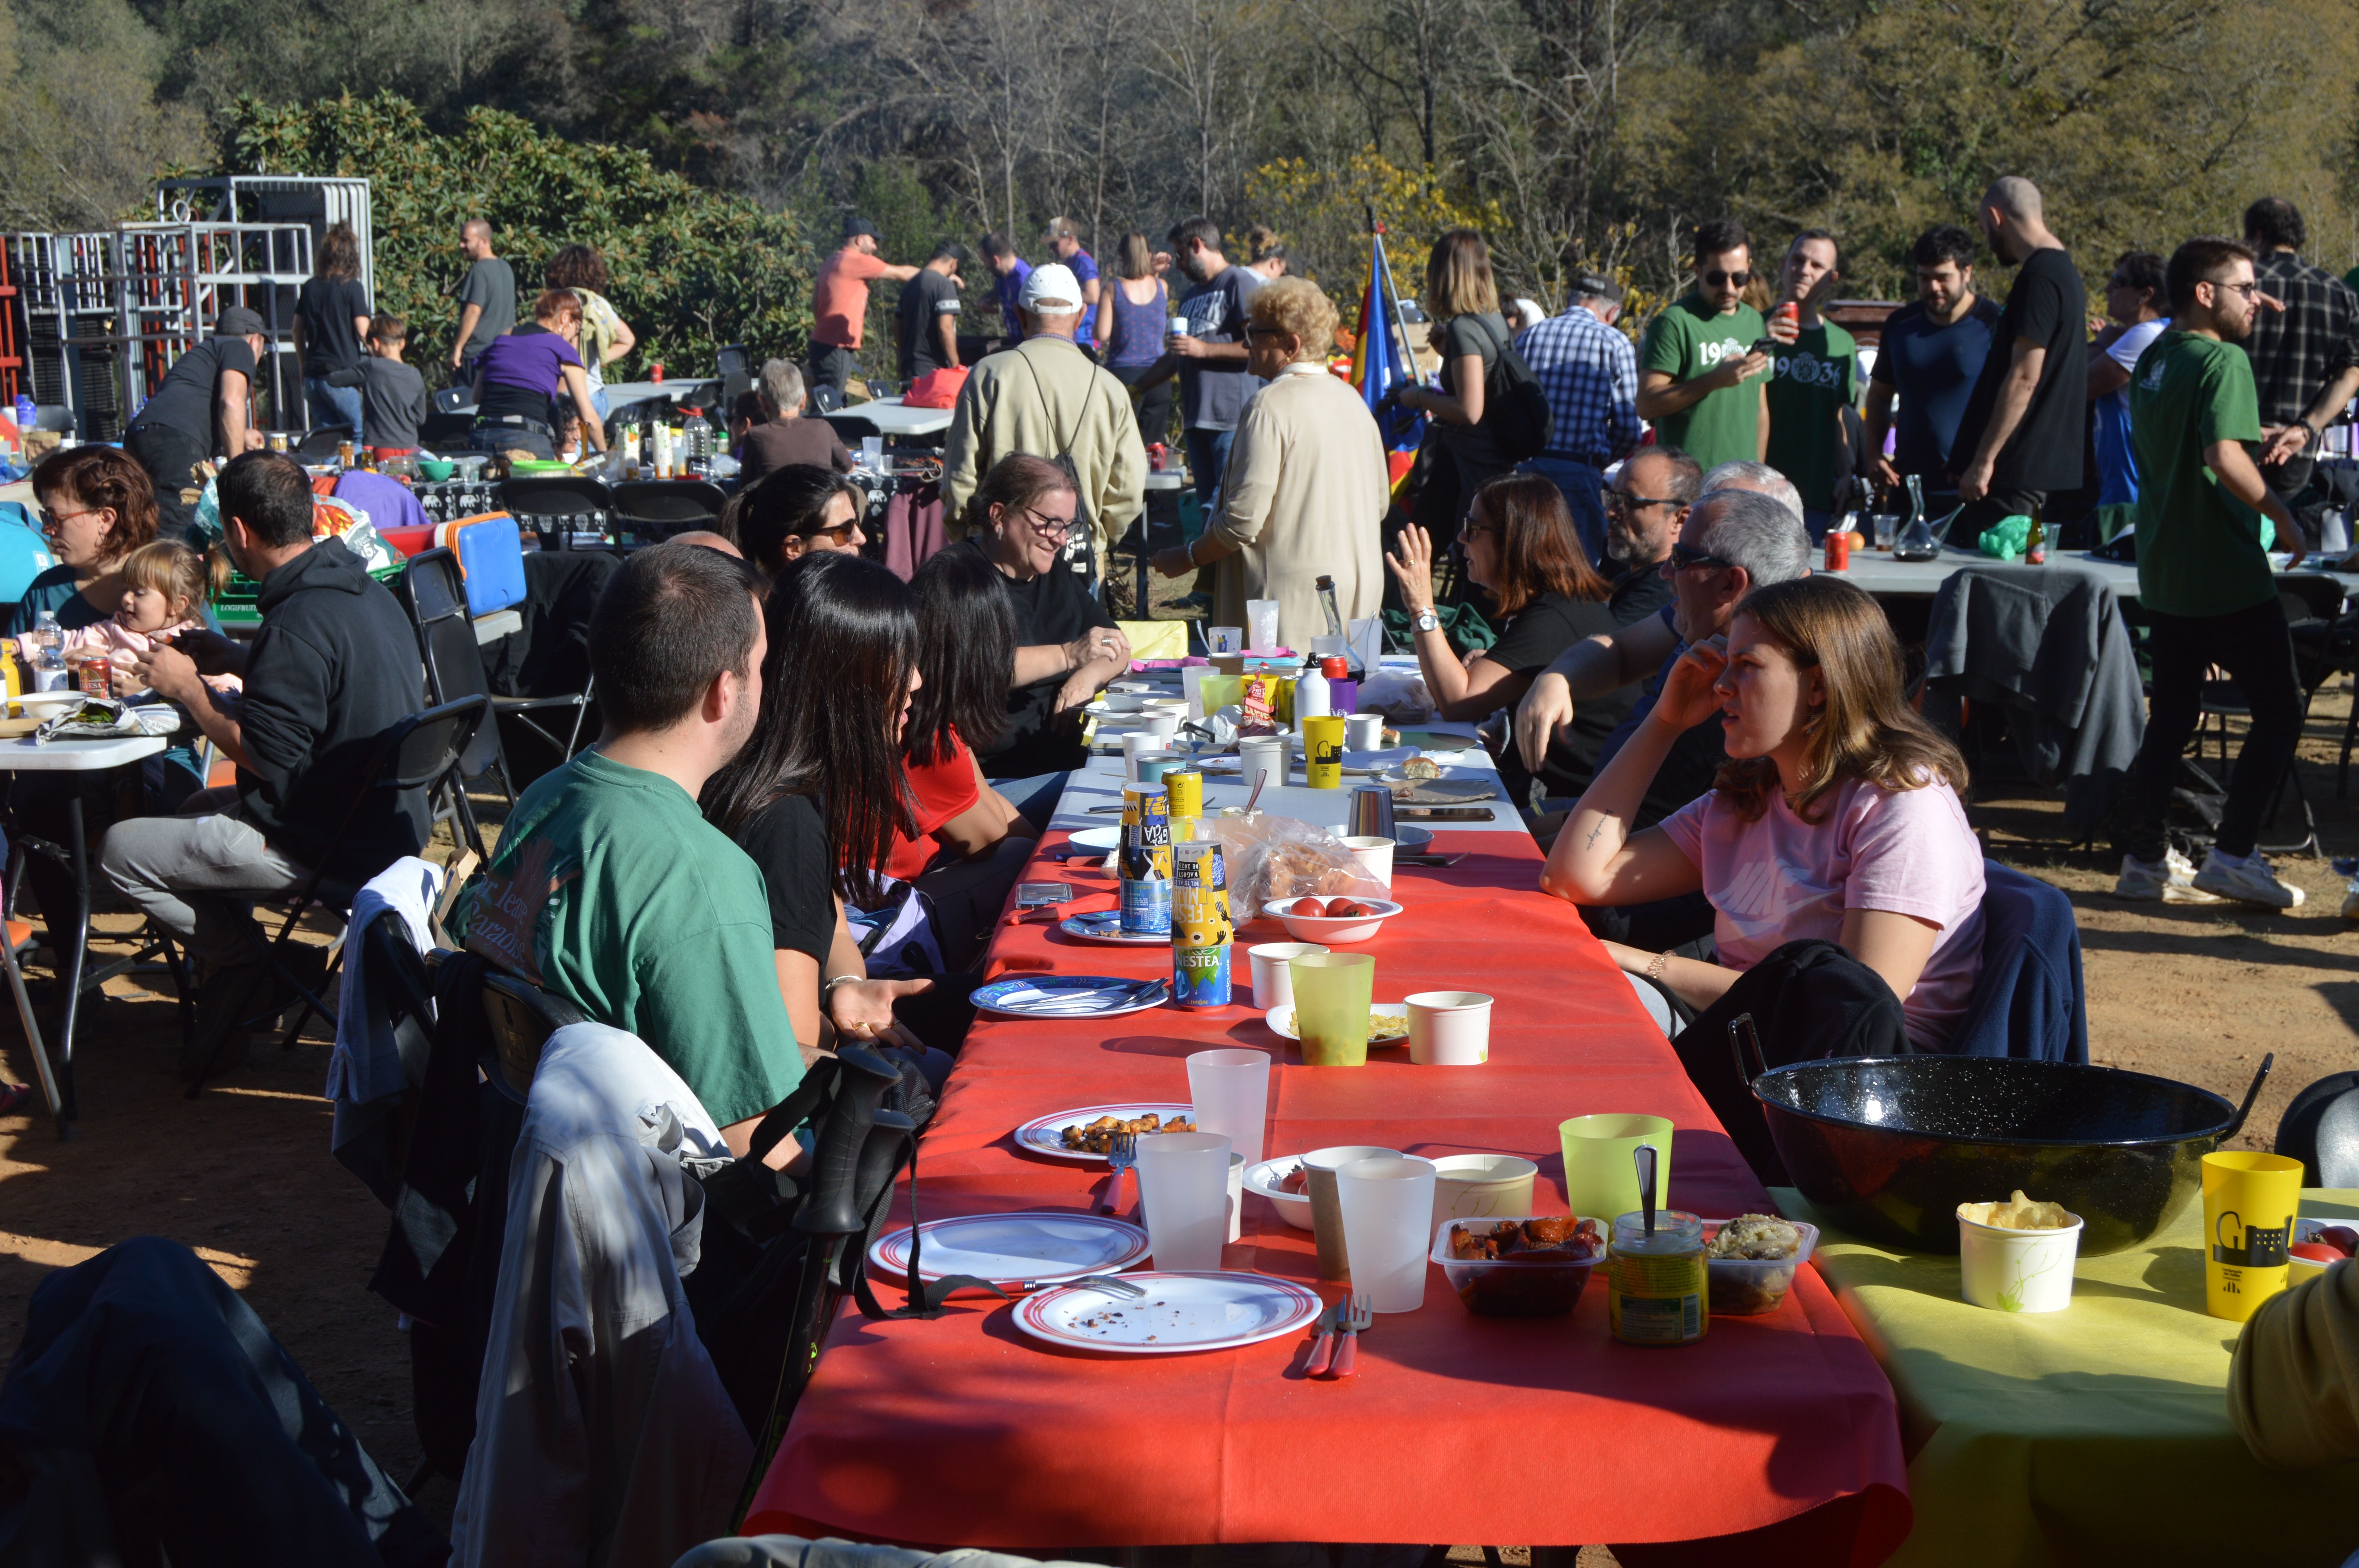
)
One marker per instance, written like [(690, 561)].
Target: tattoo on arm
[(1594, 832)]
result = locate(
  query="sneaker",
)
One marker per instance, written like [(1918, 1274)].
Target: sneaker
[(2172, 880), (2247, 881)]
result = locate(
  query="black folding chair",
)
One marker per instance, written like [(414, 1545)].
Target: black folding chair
[(320, 446), (656, 508), (736, 366), (552, 504), (449, 420), (852, 426), (422, 752), (435, 594)]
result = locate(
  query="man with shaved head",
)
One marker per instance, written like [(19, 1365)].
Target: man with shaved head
[(487, 300), (2021, 440)]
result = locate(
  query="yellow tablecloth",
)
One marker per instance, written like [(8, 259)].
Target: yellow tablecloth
[(2099, 1435)]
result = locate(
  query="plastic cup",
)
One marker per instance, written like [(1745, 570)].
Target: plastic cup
[(1451, 1029), (1184, 1183), (1261, 623), (1162, 723), (1319, 1168), (872, 453), (1262, 755), (1332, 994), (1230, 1090), (1178, 326), (1600, 1177), (1480, 1186), (2249, 1205), (1273, 982), (1373, 856), (1385, 1203), (1192, 688), (1224, 639), (1134, 742), (1322, 751), (1364, 732), (2018, 1271)]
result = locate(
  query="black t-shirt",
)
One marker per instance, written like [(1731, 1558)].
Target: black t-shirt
[(1638, 592), (925, 301), (326, 307), (1533, 637), (787, 839), (184, 399), (1052, 608), (2047, 307), (1545, 627)]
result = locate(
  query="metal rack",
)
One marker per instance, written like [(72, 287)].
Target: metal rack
[(315, 200)]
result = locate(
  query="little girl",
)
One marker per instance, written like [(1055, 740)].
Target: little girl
[(165, 586)]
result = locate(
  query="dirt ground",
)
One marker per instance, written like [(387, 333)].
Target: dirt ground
[(2194, 992)]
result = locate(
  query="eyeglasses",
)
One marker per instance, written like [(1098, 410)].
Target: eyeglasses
[(51, 519), (1717, 277), (1683, 557), (1268, 332), (2247, 288), (1622, 501), (1052, 528)]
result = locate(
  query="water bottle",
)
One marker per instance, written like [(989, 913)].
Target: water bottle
[(26, 414)]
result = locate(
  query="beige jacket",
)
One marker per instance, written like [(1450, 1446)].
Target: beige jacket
[(2293, 1388), (1044, 398), (1303, 497)]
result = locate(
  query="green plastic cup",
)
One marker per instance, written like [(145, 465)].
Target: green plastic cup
[(1332, 993)]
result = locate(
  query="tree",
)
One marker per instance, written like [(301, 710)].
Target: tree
[(88, 133)]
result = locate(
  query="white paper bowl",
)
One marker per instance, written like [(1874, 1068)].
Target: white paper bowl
[(2016, 1271), (1342, 932)]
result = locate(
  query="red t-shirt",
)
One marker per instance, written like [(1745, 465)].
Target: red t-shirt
[(940, 793), (840, 299)]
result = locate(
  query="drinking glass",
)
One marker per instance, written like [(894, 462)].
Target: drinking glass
[(1888, 527), (1386, 1205), (1230, 1089), (1332, 993), (1183, 1182)]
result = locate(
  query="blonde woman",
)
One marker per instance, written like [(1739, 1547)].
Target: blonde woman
[(1462, 302), (1306, 484)]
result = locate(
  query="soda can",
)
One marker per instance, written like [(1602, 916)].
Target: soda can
[(1184, 789), (1201, 933), (1146, 860)]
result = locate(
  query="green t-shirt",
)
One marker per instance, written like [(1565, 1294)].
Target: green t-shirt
[(612, 890), (1809, 385), (1688, 342), (2199, 548)]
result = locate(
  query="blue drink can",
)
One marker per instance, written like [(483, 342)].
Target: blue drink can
[(1146, 861)]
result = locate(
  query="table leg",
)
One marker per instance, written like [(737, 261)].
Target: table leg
[(74, 960)]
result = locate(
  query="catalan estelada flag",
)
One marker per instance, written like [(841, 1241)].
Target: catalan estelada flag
[(1381, 360)]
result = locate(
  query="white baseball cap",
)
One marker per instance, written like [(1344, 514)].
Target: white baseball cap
[(1051, 290)]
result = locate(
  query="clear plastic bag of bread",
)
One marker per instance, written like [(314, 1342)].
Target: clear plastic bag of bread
[(1271, 857)]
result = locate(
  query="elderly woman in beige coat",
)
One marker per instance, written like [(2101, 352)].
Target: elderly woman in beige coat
[(1305, 486)]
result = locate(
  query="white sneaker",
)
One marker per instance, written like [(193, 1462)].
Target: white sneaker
[(2247, 881), (2172, 880)]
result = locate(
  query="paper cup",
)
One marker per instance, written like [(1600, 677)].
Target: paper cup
[(1364, 732), (1478, 1187), (1332, 994), (1236, 1197), (2017, 1271), (1384, 1205), (1319, 1168), (1373, 856), (2249, 1205), (1451, 1029), (1230, 1094), (1134, 742), (1273, 982), (1600, 1177), (1183, 1186)]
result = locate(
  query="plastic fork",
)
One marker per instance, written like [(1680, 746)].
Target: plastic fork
[(1361, 1318), (1122, 1153)]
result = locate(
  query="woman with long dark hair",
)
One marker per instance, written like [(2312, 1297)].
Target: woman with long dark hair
[(797, 509), (331, 320), (816, 798), (605, 336)]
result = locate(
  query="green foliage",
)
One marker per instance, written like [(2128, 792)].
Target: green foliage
[(692, 269), (86, 133)]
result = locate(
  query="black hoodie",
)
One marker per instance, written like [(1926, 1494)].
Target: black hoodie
[(335, 666)]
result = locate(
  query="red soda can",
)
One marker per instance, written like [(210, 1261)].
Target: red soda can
[(1155, 458), (1837, 550), (655, 372)]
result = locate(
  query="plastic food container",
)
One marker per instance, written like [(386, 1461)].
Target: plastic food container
[(1745, 1287), (1506, 1288)]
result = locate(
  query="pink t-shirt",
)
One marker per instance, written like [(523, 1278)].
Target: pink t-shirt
[(1781, 880)]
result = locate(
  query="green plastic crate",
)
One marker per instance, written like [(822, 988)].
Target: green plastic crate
[(235, 604)]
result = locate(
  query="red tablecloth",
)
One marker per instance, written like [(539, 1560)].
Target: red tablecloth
[(1458, 1429)]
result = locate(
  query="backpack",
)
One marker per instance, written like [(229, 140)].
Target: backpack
[(1077, 556), (1516, 410)]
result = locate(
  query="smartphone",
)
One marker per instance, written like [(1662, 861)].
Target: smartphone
[(1032, 895)]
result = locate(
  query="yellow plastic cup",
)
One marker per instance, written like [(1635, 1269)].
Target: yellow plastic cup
[(1600, 1174), (1322, 751), (2249, 1203), (1331, 992)]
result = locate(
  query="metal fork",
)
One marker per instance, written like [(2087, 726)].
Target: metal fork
[(1121, 1154), (1359, 1319)]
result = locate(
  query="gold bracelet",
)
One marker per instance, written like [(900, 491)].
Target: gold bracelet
[(1655, 969)]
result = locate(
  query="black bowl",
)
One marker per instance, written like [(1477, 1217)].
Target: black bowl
[(1887, 1147)]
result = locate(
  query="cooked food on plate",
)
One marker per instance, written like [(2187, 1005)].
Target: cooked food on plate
[(1097, 1137)]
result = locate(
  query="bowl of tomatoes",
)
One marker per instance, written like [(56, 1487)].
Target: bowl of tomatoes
[(1332, 921), (2318, 1246)]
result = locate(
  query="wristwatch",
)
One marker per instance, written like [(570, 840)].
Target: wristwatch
[(1427, 620)]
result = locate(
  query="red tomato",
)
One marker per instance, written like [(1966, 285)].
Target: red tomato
[(2342, 1238), (1343, 909), (2316, 1253)]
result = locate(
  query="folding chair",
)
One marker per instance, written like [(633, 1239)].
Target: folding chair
[(432, 591), (322, 445), (523, 1016), (450, 420), (2313, 610), (420, 752), (551, 504), (656, 509)]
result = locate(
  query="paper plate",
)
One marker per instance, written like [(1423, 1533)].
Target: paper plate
[(1070, 996), (1179, 1314), (1098, 838), (1045, 1135), (1105, 925), (1387, 1021), (1007, 1248)]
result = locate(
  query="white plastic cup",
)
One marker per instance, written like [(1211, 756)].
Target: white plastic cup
[(1226, 639), (1177, 326), (1259, 754), (872, 453), (1229, 1091), (1261, 623), (1184, 1183), (1134, 741), (1236, 1200), (1192, 688), (1272, 978), (1449, 1029), (1163, 723), (1319, 1169), (1362, 731), (2016, 1271), (1373, 856), (1385, 1205)]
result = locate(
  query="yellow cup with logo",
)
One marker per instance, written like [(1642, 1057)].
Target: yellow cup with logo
[(2249, 1203), (1322, 751)]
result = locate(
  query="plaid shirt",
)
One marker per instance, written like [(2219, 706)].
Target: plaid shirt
[(2296, 352), (1590, 373)]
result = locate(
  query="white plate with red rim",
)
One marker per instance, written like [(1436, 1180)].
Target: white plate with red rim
[(1178, 1315), (1009, 1249), (1046, 1134)]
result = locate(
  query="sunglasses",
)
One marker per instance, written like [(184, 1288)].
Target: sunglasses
[(1717, 277), (840, 531), (1620, 501), (1683, 557)]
